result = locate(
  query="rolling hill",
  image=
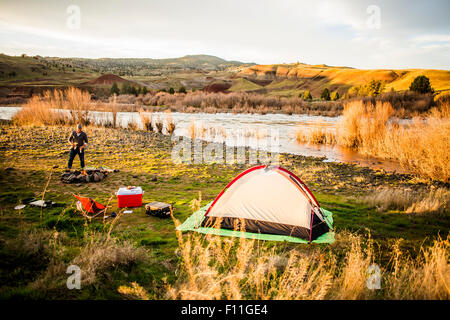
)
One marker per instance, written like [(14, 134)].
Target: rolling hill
[(25, 75), (292, 79), (213, 74)]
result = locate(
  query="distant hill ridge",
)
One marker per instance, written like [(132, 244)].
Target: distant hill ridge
[(315, 78), (198, 72), (201, 61)]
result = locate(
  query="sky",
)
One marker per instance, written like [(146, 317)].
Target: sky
[(359, 33)]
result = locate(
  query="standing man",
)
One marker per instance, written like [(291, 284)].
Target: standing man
[(78, 140)]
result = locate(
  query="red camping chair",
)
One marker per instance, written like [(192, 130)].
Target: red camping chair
[(91, 206)]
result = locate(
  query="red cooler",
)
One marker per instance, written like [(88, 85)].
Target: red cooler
[(129, 197)]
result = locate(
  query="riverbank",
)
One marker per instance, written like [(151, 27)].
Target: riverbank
[(420, 146), (232, 128), (143, 249), (406, 104), (427, 159)]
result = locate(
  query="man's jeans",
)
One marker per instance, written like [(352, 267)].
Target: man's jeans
[(73, 153)]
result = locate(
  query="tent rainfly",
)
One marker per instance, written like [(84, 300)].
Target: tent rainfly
[(265, 202)]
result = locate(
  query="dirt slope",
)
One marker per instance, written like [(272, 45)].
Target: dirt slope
[(293, 78), (106, 79)]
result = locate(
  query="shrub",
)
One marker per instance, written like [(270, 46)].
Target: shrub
[(159, 125), (126, 88), (421, 84), (46, 109), (352, 92), (335, 96), (421, 147), (170, 125), (371, 89), (307, 95), (132, 125), (115, 89), (146, 120), (374, 88), (317, 135), (98, 256), (325, 95), (407, 103)]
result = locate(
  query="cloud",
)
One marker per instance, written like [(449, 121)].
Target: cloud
[(413, 33), (431, 38), (339, 13)]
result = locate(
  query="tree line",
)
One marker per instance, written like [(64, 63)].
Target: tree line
[(128, 88), (421, 84)]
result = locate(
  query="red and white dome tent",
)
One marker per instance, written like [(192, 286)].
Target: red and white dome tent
[(269, 203)]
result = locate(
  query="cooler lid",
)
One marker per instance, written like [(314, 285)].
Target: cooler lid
[(125, 191)]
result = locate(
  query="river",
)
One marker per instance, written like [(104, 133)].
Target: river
[(251, 129)]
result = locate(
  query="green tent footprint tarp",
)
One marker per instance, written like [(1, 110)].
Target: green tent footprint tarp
[(193, 223), (269, 203)]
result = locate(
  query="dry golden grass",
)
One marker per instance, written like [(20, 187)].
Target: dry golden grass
[(56, 107), (421, 147), (218, 133), (99, 255), (77, 101), (442, 110), (146, 120), (437, 201), (236, 102), (215, 267), (135, 291), (227, 269), (363, 125), (37, 111), (159, 125), (391, 199), (427, 277), (31, 242), (71, 106), (409, 201), (170, 124), (317, 135), (133, 125), (114, 110), (195, 204), (350, 282), (196, 130)]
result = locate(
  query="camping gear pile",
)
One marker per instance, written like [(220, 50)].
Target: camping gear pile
[(127, 197), (130, 196), (266, 203), (263, 202), (158, 209), (85, 176)]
